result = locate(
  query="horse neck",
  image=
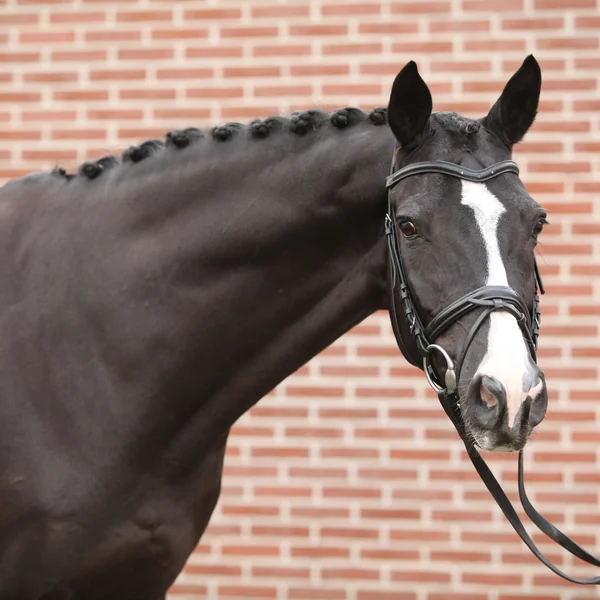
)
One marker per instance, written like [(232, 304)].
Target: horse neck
[(276, 250)]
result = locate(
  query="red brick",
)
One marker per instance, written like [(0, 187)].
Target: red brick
[(390, 514), (267, 11), (388, 554), (214, 92), (383, 595), (483, 5), (391, 28), (249, 32), (587, 21), (212, 14), (249, 511), (79, 55), (281, 572), (344, 9), (356, 453), (350, 492), (499, 45), (428, 575), (563, 4), (533, 23), (18, 57), (228, 570), (492, 579), (99, 114), (78, 134), (282, 90), (49, 154), (565, 456), (460, 556), (407, 7), (19, 134), (345, 49), (282, 491), (314, 432), (20, 97), (421, 454), (178, 33), (79, 17), (117, 74), (320, 551), (80, 95), (350, 574), (13, 18), (53, 77), (243, 72), (147, 94), (114, 35), (460, 26), (143, 16), (247, 591), (146, 54), (423, 47), (47, 37), (318, 30), (316, 594), (249, 550), (213, 52), (280, 452)]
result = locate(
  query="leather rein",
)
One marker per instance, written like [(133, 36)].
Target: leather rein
[(490, 299)]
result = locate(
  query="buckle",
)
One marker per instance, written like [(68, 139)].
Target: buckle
[(388, 224)]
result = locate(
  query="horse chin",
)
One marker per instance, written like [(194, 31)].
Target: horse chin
[(486, 442)]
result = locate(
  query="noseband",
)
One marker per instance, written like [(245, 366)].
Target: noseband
[(488, 299)]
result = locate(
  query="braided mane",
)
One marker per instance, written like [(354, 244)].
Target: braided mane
[(299, 123)]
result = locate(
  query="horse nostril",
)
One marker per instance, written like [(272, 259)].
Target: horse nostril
[(492, 392), (487, 397), (488, 402)]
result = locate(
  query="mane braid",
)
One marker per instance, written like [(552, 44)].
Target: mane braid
[(346, 117), (180, 138), (136, 154), (91, 170), (299, 123), (227, 131)]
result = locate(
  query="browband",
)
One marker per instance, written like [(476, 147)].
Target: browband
[(448, 168)]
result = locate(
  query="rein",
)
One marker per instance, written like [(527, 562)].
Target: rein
[(490, 299)]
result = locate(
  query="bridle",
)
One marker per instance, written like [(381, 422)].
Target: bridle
[(490, 298), (418, 348)]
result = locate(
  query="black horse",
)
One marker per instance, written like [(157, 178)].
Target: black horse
[(147, 303)]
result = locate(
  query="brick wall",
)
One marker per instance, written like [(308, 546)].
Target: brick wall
[(348, 482)]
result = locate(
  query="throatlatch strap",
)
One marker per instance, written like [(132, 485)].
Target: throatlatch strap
[(506, 507)]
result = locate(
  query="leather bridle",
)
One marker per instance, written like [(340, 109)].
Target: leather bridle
[(490, 299)]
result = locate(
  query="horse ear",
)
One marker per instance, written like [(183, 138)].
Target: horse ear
[(410, 106), (514, 112)]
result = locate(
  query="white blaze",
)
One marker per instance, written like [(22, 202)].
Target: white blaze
[(507, 357)]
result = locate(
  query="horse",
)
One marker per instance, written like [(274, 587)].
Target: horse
[(147, 302)]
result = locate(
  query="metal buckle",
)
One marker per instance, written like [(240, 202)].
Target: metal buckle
[(412, 324), (449, 377), (388, 224)]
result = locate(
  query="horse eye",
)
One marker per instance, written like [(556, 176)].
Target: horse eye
[(539, 226), (408, 229)]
